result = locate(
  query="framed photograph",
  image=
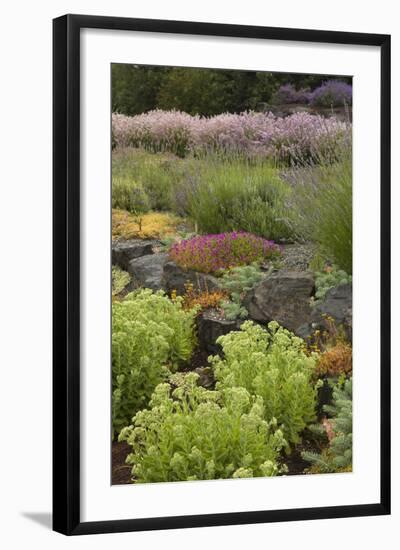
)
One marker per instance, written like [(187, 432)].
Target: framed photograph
[(221, 274)]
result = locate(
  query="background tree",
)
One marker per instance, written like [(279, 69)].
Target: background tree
[(140, 88)]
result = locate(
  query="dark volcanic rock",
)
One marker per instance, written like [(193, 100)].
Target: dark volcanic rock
[(211, 326), (175, 278), (148, 270), (283, 296), (206, 375), (337, 304), (125, 251)]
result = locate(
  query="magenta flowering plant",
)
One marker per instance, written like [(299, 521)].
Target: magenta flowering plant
[(214, 253)]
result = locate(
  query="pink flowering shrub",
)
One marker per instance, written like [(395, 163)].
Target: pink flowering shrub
[(298, 136), (213, 253), (155, 131)]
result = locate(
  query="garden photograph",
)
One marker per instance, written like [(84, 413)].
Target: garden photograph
[(231, 275)]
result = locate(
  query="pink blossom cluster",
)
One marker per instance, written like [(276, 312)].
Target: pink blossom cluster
[(253, 134), (213, 253)]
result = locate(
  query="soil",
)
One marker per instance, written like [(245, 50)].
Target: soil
[(294, 461), (198, 359), (121, 472)]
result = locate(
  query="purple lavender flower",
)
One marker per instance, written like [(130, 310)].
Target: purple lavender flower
[(332, 93)]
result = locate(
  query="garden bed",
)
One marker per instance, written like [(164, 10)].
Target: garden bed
[(232, 292)]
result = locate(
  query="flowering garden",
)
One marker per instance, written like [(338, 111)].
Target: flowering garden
[(232, 291)]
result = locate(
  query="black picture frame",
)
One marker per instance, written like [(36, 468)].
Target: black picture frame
[(66, 273)]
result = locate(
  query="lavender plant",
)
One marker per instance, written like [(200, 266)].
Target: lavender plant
[(287, 94), (332, 93), (234, 194), (321, 207)]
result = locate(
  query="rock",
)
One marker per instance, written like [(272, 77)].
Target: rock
[(324, 393), (206, 375), (148, 270), (211, 326), (175, 278), (338, 304), (283, 296), (125, 251)]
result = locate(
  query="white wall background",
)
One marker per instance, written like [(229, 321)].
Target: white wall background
[(25, 199)]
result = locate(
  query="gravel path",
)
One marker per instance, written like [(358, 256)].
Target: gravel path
[(297, 257)]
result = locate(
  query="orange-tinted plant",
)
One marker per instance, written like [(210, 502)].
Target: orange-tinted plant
[(335, 361), (202, 299), (328, 337)]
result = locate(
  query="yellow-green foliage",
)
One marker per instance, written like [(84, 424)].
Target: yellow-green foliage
[(156, 173), (191, 433), (120, 279), (272, 364), (153, 225), (151, 335)]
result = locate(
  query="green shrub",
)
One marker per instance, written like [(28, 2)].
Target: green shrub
[(119, 279), (338, 455), (151, 335), (192, 433), (322, 208), (130, 196), (158, 174), (238, 196), (238, 281), (272, 364), (325, 280)]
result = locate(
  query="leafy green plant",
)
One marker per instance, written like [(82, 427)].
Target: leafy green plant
[(120, 279), (327, 279), (157, 174), (151, 335), (338, 455), (132, 197), (191, 433), (274, 365), (237, 281)]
